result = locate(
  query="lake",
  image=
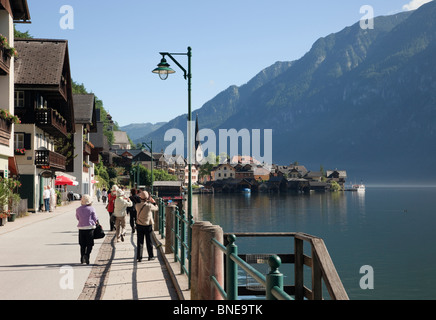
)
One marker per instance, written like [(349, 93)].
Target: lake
[(390, 229)]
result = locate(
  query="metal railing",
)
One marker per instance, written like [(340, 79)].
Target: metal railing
[(319, 261), (182, 241), (273, 281)]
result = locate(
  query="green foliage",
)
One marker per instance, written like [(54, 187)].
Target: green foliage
[(8, 198), (211, 161), (335, 186), (145, 175), (107, 131), (21, 35)]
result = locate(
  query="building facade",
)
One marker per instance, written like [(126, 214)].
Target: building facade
[(44, 103), (11, 11)]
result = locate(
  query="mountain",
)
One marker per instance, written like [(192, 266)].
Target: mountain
[(138, 132), (360, 100), (216, 111)]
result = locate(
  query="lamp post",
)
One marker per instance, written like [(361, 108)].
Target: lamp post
[(163, 70), (150, 147)]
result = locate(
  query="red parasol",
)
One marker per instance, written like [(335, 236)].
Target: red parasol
[(62, 180)]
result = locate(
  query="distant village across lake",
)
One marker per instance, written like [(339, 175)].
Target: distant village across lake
[(238, 174)]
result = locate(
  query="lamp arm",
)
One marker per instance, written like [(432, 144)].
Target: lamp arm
[(185, 75)]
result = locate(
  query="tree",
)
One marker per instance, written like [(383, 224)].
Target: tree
[(211, 161), (335, 186), (21, 35)]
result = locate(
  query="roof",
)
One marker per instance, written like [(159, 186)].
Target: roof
[(167, 183), (341, 173), (120, 137), (84, 107), (40, 61), (18, 9)]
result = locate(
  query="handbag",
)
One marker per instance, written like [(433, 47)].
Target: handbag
[(98, 231)]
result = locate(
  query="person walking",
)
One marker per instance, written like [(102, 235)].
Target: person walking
[(87, 217), (131, 211), (104, 195), (53, 199), (121, 203), (46, 197), (144, 224), (98, 194), (110, 206)]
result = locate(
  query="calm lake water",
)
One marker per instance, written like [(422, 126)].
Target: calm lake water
[(390, 229)]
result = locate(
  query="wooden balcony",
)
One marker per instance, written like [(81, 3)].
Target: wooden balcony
[(50, 121), (87, 148), (50, 160), (5, 61), (5, 132)]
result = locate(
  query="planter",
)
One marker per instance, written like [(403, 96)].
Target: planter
[(3, 221), (12, 217)]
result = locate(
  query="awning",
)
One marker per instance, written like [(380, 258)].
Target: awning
[(62, 180), (13, 168)]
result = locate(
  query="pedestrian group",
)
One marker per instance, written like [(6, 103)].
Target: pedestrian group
[(139, 206)]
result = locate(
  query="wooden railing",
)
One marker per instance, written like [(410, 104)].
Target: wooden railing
[(87, 148), (51, 121), (5, 131), (46, 159), (5, 61), (177, 230), (320, 262)]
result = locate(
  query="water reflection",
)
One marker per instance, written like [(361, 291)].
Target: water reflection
[(381, 228), (271, 212)]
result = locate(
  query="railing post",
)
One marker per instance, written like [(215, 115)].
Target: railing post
[(176, 234), (182, 242), (162, 217), (195, 258), (231, 269), (170, 212), (316, 277), (298, 269), (274, 278)]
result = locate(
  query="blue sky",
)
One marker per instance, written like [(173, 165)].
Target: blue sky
[(114, 48)]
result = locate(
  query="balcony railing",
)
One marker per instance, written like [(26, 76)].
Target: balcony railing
[(5, 61), (5, 131), (87, 148), (50, 121), (46, 159)]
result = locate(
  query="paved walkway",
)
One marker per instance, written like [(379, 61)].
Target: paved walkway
[(115, 273)]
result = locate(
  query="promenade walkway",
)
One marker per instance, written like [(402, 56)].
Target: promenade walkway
[(114, 272), (117, 275)]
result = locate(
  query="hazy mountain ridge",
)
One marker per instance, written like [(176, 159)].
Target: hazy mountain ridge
[(138, 131)]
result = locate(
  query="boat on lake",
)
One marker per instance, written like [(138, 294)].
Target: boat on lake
[(357, 187)]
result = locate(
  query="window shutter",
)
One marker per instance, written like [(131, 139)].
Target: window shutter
[(27, 141)]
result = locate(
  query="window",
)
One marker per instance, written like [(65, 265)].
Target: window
[(19, 99), (19, 141)]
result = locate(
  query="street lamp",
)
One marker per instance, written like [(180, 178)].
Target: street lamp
[(163, 70)]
